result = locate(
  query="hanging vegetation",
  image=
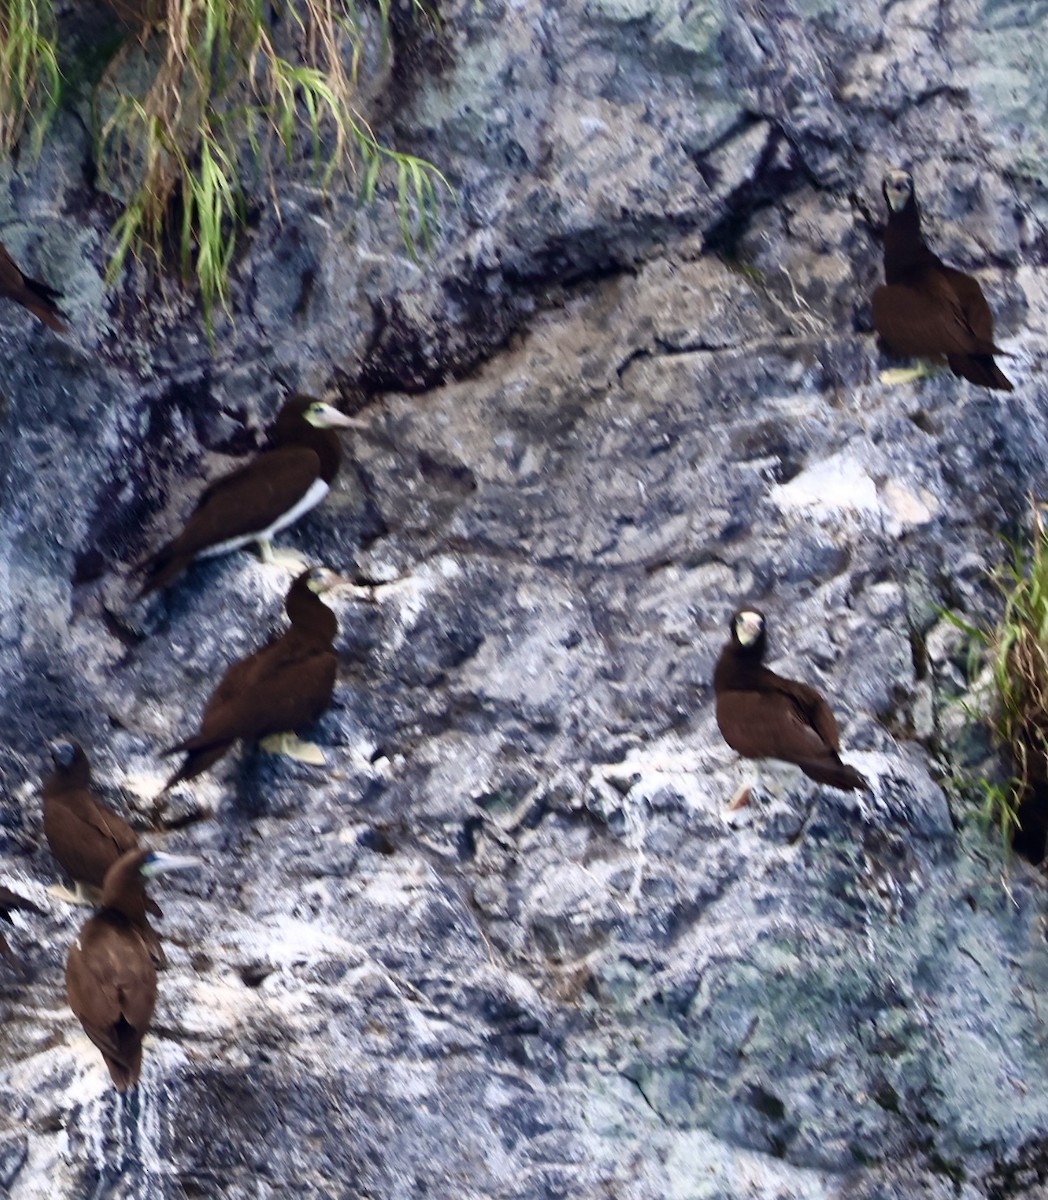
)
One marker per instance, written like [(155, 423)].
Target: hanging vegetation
[(190, 110)]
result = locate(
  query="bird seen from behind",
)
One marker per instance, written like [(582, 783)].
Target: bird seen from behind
[(110, 976)]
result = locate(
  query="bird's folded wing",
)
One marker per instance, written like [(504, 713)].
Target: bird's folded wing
[(108, 982), (292, 695), (973, 304), (925, 322), (251, 498), (108, 826), (813, 710)]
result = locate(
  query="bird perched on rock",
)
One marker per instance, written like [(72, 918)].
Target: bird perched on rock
[(110, 976), (762, 715), (30, 293), (291, 475), (11, 902), (925, 308), (276, 690), (85, 837)]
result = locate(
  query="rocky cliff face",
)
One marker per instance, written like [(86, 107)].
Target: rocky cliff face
[(505, 943)]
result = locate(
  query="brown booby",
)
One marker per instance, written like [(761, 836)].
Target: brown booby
[(110, 977), (291, 475), (30, 293), (11, 902), (276, 690), (85, 837), (762, 715), (925, 308)]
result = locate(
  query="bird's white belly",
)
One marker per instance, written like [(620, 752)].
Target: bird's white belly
[(316, 492)]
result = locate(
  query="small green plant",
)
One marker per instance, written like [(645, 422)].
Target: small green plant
[(1000, 809), (1017, 652), (203, 86), (223, 82), (29, 78)]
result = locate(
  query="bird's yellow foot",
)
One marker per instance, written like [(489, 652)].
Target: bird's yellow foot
[(741, 797), (293, 747), (897, 375), (80, 895), (287, 559)]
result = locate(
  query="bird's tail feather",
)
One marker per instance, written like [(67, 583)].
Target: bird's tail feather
[(43, 290), (979, 369), (124, 1074), (48, 313), (836, 774), (161, 569), (42, 301), (196, 761)]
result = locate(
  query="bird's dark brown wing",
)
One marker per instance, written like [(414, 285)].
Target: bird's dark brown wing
[(85, 837), (250, 499), (938, 319), (241, 677), (33, 295), (12, 902), (935, 307), (767, 724), (280, 688), (238, 505), (978, 368), (203, 747), (973, 304), (923, 322), (812, 707), (762, 715), (111, 988)]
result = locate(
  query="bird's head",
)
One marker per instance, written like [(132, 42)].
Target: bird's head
[(897, 186), (320, 580), (155, 862), (64, 752), (747, 627), (326, 416)]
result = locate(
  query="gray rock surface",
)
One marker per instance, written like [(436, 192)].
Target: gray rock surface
[(506, 943)]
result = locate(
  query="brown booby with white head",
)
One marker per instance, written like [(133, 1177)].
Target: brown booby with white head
[(762, 715), (37, 297), (276, 690), (925, 308), (110, 976), (85, 836), (11, 902), (291, 475)]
